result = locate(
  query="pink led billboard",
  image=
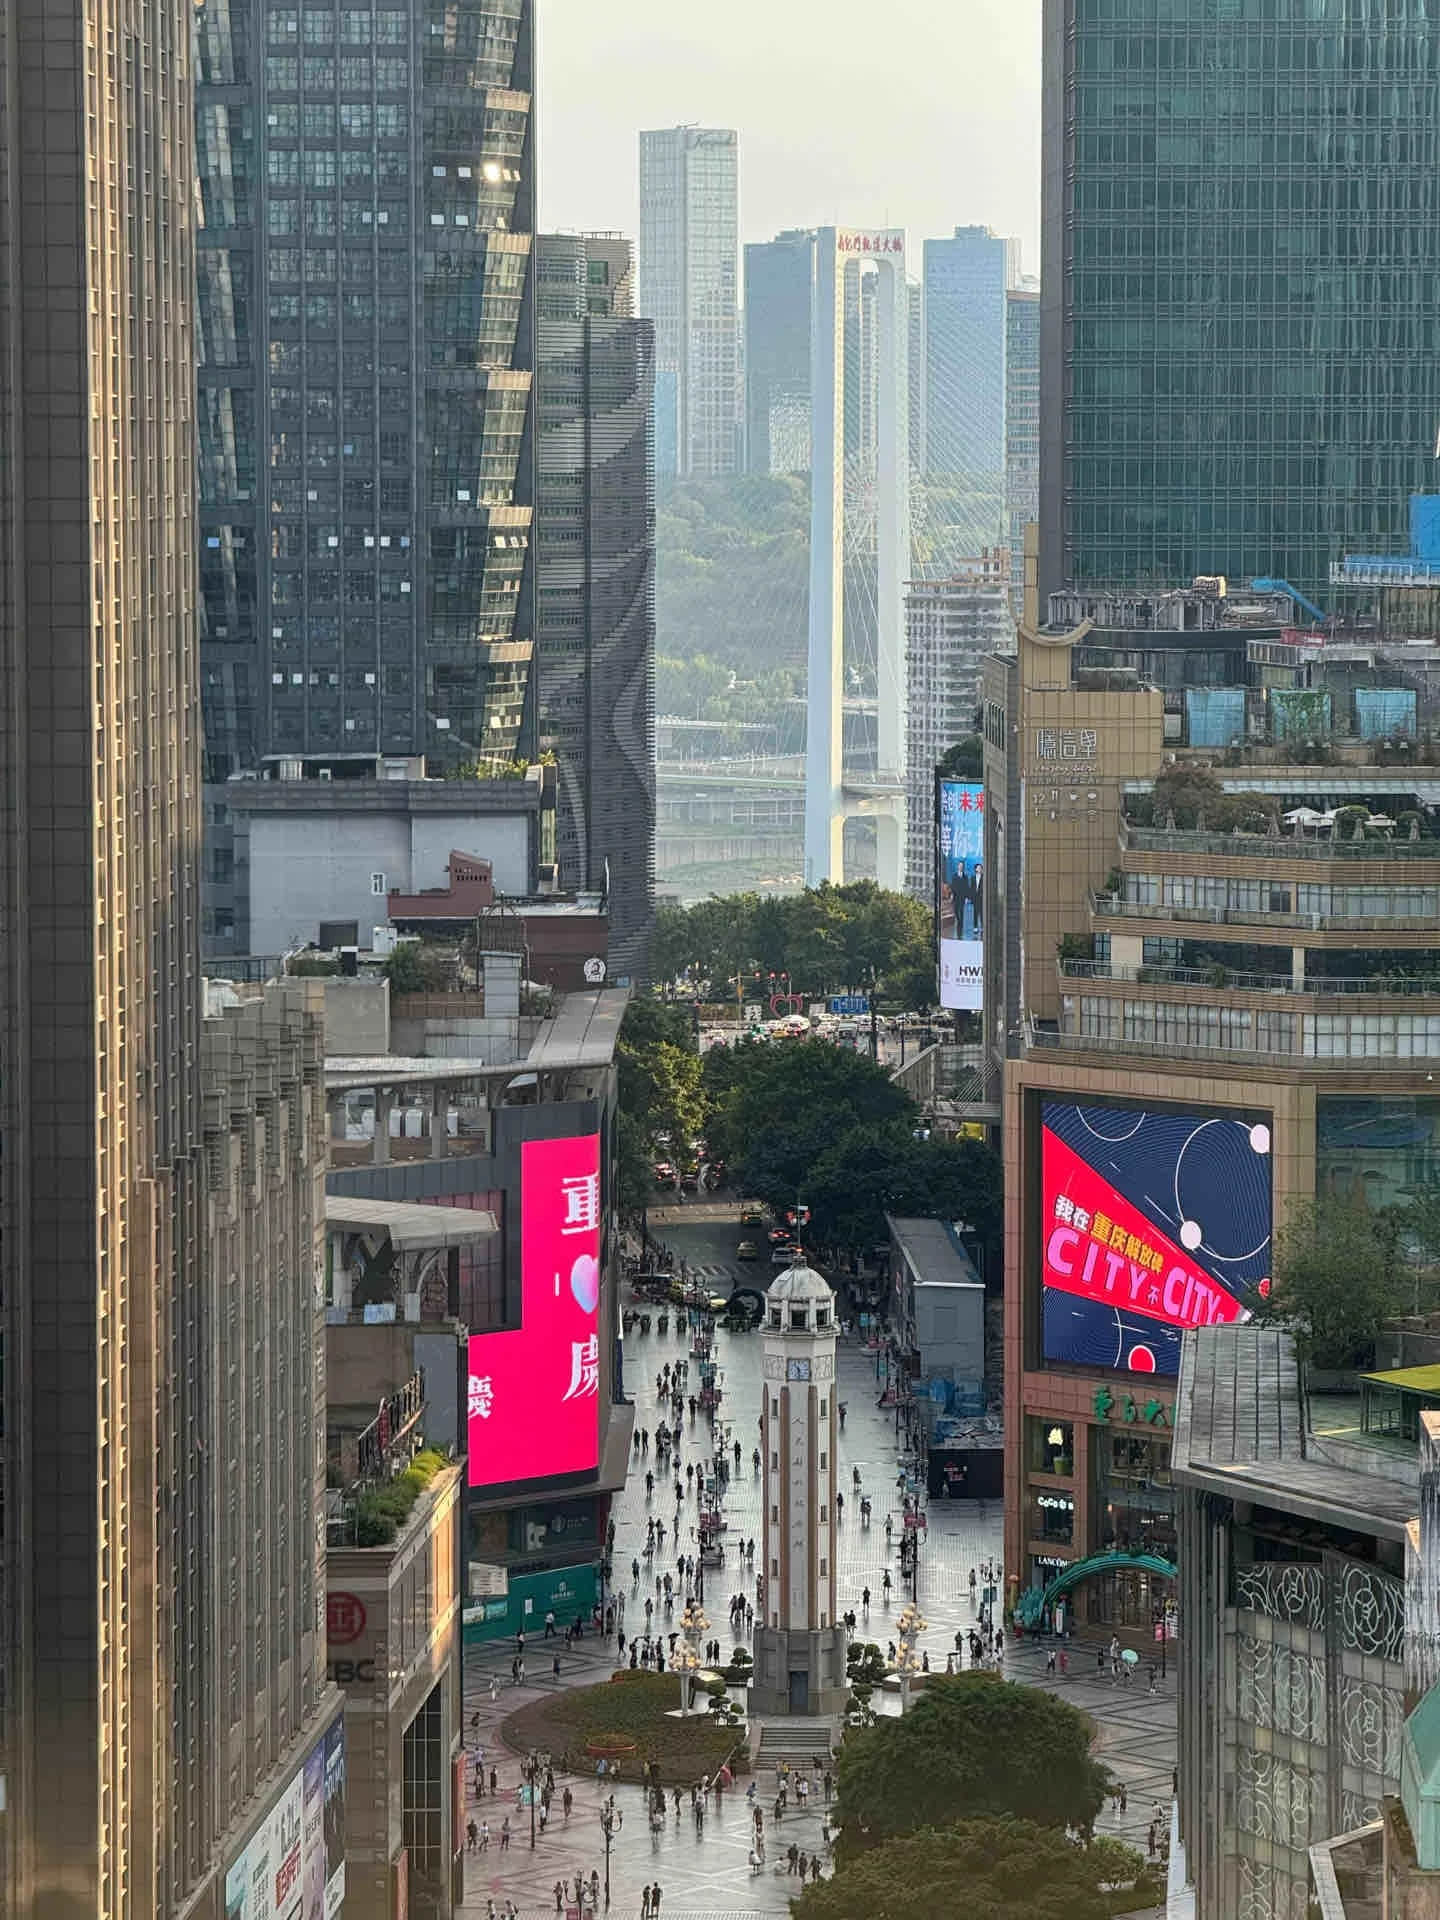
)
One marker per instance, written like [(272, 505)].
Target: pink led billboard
[(534, 1392)]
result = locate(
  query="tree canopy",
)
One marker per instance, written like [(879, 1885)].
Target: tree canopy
[(874, 1170), (660, 1092), (979, 1869), (1337, 1280), (972, 1744), (965, 760), (826, 939), (777, 1109)]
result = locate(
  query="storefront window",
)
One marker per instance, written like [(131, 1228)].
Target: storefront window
[(1052, 1446), (1134, 1502), (1052, 1517)]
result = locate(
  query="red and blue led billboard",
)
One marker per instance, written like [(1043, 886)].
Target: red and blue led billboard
[(534, 1395), (1153, 1220)]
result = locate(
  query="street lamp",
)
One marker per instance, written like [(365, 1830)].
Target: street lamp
[(530, 1772), (611, 1821), (908, 1629), (686, 1659)]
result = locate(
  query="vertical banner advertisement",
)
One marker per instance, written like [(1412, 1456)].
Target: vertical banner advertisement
[(961, 890), (293, 1867), (534, 1393)]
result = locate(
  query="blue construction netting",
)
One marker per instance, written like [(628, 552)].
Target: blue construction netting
[(1214, 716), (1383, 713)]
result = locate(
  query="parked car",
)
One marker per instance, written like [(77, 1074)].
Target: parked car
[(747, 1250)]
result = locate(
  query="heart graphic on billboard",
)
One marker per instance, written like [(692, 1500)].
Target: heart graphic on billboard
[(585, 1282)]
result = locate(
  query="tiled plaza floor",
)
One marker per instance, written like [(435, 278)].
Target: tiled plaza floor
[(706, 1876)]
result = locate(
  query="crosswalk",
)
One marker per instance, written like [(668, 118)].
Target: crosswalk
[(714, 1270)]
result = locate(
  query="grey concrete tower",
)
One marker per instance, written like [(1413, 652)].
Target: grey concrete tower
[(799, 1641)]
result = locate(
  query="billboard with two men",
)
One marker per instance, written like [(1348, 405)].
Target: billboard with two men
[(960, 875)]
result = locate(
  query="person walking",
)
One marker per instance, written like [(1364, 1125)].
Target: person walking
[(472, 1835), (559, 1896), (645, 1903), (505, 1834), (655, 1893)]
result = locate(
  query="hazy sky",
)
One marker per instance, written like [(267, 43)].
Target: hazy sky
[(914, 113)]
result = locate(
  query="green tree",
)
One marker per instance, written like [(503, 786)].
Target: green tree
[(965, 760), (970, 1744), (981, 1869), (872, 1171), (417, 967), (660, 1092), (1337, 1280), (785, 1104), (825, 939)]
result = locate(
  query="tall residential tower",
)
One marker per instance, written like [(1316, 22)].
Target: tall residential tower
[(689, 287), (367, 322), (1239, 262)]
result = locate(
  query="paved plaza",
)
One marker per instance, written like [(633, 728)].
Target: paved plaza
[(706, 1876)]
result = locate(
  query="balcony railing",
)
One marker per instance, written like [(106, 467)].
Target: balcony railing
[(1228, 978), (1106, 1046), (398, 1414), (1114, 906), (1264, 846)]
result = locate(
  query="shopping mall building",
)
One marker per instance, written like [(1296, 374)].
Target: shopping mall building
[(1199, 1023)]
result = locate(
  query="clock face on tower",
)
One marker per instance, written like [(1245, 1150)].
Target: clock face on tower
[(797, 1370)]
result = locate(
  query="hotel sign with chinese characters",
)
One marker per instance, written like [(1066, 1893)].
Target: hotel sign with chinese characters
[(889, 240)]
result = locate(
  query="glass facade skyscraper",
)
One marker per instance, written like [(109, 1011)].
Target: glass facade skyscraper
[(595, 541), (367, 352), (779, 296), (689, 274), (965, 282), (1240, 342)]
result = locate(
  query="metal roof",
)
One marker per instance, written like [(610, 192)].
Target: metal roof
[(411, 1228), (1240, 1431)]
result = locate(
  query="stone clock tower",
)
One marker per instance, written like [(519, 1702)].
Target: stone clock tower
[(799, 1640)]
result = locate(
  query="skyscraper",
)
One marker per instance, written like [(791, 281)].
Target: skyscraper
[(595, 542), (1238, 270), (366, 356), (965, 282), (1022, 426), (126, 1747), (689, 287), (779, 296)]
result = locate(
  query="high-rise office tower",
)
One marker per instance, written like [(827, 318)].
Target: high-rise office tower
[(689, 287), (779, 293), (595, 545), (366, 356), (1236, 375), (1022, 425), (965, 282), (126, 1746)]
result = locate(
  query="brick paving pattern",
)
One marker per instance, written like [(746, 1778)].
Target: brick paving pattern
[(706, 1876)]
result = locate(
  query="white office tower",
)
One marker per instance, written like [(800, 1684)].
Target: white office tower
[(799, 1641)]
